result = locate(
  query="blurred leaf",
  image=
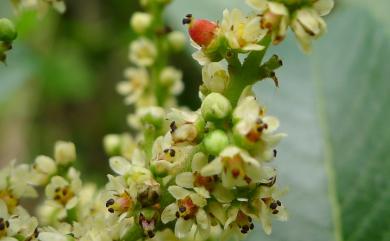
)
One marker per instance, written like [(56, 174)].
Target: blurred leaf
[(334, 106), (20, 66), (66, 74)]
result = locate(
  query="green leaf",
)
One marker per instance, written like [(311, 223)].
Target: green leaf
[(334, 107)]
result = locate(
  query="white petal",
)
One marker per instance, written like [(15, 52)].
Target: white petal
[(199, 161), (202, 191), (185, 179), (3, 210), (119, 165), (222, 194), (202, 219), (169, 213), (198, 200), (183, 227), (213, 168), (178, 192)]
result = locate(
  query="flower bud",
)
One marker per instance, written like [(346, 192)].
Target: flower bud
[(64, 152), (140, 22), (176, 40), (307, 26), (112, 144), (215, 77), (202, 31), (215, 106), (215, 142), (7, 30)]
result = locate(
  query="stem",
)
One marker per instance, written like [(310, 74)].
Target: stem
[(247, 74)]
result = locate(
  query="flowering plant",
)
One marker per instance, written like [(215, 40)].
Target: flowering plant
[(184, 175)]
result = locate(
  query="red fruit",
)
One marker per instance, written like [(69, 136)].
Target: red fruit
[(202, 31)]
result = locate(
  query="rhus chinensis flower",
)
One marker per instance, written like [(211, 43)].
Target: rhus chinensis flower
[(180, 174)]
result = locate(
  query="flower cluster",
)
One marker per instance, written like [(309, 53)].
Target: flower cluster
[(186, 175)]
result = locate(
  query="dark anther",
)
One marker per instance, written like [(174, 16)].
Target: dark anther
[(111, 210), (166, 150), (110, 202), (7, 223), (273, 205), (275, 152), (252, 226), (2, 227), (182, 209), (173, 126), (57, 197), (279, 203), (57, 189), (172, 152), (249, 219), (64, 192), (177, 214), (186, 21), (189, 15), (150, 234), (275, 211)]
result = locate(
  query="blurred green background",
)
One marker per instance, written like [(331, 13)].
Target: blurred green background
[(334, 104)]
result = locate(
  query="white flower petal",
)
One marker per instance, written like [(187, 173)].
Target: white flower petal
[(183, 227), (178, 192), (185, 179), (213, 168), (169, 213), (202, 219), (120, 165)]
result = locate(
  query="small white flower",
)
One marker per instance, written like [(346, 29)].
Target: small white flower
[(238, 223), (307, 25), (203, 185), (142, 52), (177, 40), (168, 158), (183, 126), (269, 206), (187, 211), (242, 32), (255, 129), (215, 77), (140, 21), (236, 168), (137, 80), (64, 152), (63, 192), (172, 78)]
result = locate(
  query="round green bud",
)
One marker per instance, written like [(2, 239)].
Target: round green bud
[(7, 30), (112, 144), (215, 107), (215, 142)]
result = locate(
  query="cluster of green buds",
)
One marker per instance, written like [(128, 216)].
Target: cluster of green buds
[(187, 175)]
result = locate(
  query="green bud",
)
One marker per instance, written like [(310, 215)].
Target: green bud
[(215, 106), (112, 144), (7, 30), (215, 142)]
